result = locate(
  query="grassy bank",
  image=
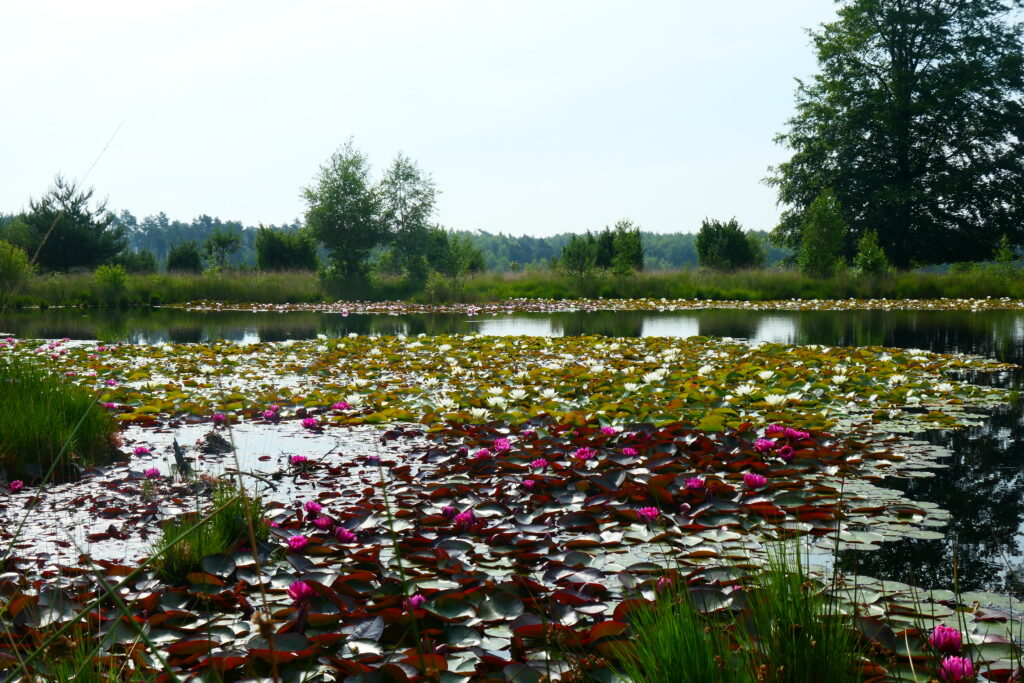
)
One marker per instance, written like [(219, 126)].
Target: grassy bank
[(303, 287)]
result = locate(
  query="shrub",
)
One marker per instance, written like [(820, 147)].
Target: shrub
[(141, 262), (724, 246), (870, 258), (282, 250), (15, 269), (181, 547), (42, 413), (822, 237), (184, 257)]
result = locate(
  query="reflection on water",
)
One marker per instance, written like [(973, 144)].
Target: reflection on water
[(983, 488)]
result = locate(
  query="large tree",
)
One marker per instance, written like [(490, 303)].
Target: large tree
[(343, 211), (916, 122), (66, 232), (407, 203)]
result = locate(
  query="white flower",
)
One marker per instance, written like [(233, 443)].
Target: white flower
[(630, 386), (321, 337), (704, 369), (745, 390), (478, 413), (497, 402), (430, 381), (944, 387), (896, 380), (207, 369), (495, 391), (775, 399), (655, 376), (352, 335), (353, 399), (375, 351), (766, 375), (517, 394), (360, 381), (444, 403), (444, 347), (549, 393), (839, 379)]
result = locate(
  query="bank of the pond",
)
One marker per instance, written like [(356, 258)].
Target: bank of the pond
[(304, 287)]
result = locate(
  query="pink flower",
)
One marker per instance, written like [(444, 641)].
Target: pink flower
[(372, 460), (482, 454), (298, 460), (629, 450), (297, 543), (449, 511), (786, 453), (609, 431), (313, 507), (502, 444), (151, 473), (946, 640), (796, 434), (344, 535), (529, 484), (664, 583), (322, 523), (463, 451), (109, 406), (528, 433), (464, 519), (111, 382), (16, 485), (754, 480), (956, 669), (776, 429), (583, 453), (764, 445), (694, 483), (341, 405), (219, 419), (269, 415), (274, 408), (539, 464), (141, 450), (272, 524), (300, 590), (648, 514), (310, 423), (414, 602)]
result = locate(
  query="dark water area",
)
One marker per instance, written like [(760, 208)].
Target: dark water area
[(982, 486)]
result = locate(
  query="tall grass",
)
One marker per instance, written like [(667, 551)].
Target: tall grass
[(304, 287), (178, 553), (41, 412)]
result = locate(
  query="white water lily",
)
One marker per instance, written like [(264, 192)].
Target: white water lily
[(353, 399), (444, 347), (744, 390), (704, 370), (549, 393), (630, 386), (478, 413), (497, 402), (444, 403), (775, 399), (517, 394), (360, 381), (766, 375), (495, 391), (352, 335), (207, 369), (321, 337), (944, 387), (430, 381), (839, 380), (375, 351), (655, 376), (896, 380)]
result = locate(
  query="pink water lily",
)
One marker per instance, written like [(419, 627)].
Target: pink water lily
[(528, 433), (310, 423), (583, 453), (482, 454), (754, 480), (539, 463), (323, 523), (609, 431), (764, 445), (219, 419), (141, 450), (629, 450), (151, 473), (695, 483), (502, 444), (16, 486), (529, 484), (956, 670), (300, 590), (414, 602), (341, 405), (464, 519), (344, 535), (297, 543), (946, 640), (298, 460), (648, 514), (787, 453), (313, 507)]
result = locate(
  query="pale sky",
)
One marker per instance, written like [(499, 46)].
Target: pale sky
[(533, 116)]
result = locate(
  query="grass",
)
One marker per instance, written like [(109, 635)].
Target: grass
[(178, 553), (83, 289), (786, 632), (47, 421)]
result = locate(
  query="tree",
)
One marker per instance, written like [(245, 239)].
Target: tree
[(343, 211), (221, 244), (724, 246), (278, 249), (407, 198), (822, 237), (916, 120), (604, 248), (66, 232), (628, 248), (15, 269), (579, 256), (184, 257), (870, 258)]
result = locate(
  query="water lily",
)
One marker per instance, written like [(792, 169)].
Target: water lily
[(300, 590), (502, 444), (944, 387), (151, 473), (764, 445), (478, 413), (584, 453), (449, 511), (16, 486), (313, 507), (745, 390), (896, 380), (956, 669), (141, 450), (754, 480), (765, 375), (775, 399), (219, 419), (539, 464), (297, 543), (839, 379), (298, 460), (946, 640), (629, 450), (414, 602), (310, 423), (695, 483), (464, 519), (344, 535), (341, 405), (648, 514), (786, 453), (323, 523)]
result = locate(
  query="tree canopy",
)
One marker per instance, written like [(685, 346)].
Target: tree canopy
[(723, 245), (916, 121)]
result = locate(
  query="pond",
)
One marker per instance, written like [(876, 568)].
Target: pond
[(982, 485)]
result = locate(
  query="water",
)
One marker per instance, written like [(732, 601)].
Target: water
[(982, 486)]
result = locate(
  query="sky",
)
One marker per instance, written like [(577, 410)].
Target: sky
[(533, 117)]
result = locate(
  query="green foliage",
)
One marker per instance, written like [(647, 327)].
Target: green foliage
[(184, 257), (15, 269), (870, 258), (285, 250), (220, 245), (181, 548), (139, 262), (65, 232), (724, 246), (407, 197), (914, 118), (1004, 258), (822, 237), (112, 281), (343, 211), (579, 257), (627, 247), (41, 413)]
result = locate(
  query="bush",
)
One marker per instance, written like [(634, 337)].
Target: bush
[(15, 269), (870, 258), (281, 250), (184, 257), (141, 262), (822, 237), (42, 413), (724, 246)]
